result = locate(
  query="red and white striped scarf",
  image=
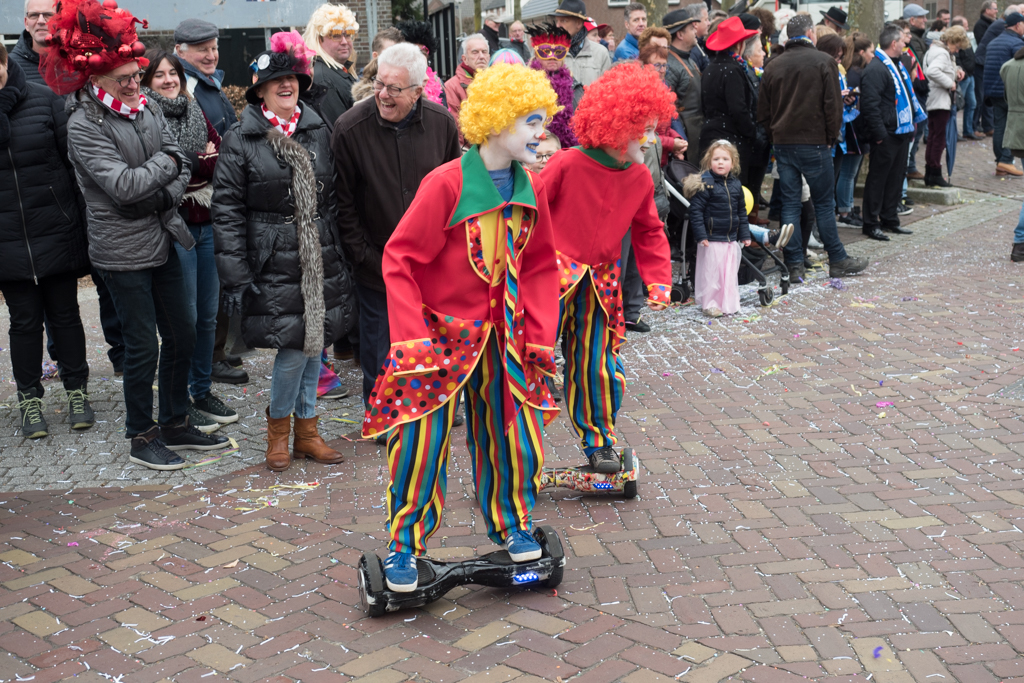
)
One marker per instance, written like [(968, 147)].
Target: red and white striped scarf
[(286, 128), (116, 105)]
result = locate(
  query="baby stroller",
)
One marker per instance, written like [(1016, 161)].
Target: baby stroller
[(752, 258)]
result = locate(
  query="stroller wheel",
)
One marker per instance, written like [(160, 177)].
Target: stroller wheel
[(784, 286), (680, 292), (766, 295)]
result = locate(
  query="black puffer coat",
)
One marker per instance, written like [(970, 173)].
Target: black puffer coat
[(42, 232), (729, 105), (256, 238), (717, 208)]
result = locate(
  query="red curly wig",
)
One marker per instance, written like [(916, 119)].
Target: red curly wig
[(618, 107)]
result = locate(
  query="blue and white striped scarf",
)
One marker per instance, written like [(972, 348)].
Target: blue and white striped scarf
[(908, 109)]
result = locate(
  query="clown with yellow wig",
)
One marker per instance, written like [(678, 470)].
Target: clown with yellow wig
[(470, 272), (330, 33), (598, 191)]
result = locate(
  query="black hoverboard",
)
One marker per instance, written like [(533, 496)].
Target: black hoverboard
[(436, 578), (585, 479)]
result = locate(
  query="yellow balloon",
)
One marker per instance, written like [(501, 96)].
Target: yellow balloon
[(748, 200)]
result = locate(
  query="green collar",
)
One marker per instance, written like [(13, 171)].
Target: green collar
[(602, 157), (479, 196)]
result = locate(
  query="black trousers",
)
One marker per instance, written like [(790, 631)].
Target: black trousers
[(374, 335), (884, 185), (56, 298)]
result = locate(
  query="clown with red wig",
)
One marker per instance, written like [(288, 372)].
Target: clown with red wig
[(597, 192)]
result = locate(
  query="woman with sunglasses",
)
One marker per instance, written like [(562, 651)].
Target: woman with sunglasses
[(550, 47), (278, 253)]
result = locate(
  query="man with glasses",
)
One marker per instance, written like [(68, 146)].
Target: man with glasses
[(132, 175), (383, 147), (32, 43), (330, 34), (195, 44)]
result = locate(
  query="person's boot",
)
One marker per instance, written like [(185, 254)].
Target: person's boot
[(933, 178), (80, 413), (278, 430), (30, 404), (309, 444), (222, 371), (1017, 255), (754, 218)]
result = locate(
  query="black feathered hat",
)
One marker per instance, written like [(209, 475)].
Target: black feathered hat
[(419, 33)]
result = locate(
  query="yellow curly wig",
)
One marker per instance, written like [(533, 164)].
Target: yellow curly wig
[(499, 95)]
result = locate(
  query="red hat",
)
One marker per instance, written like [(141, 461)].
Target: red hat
[(728, 33), (89, 39), (590, 25)]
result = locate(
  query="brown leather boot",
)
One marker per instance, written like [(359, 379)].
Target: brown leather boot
[(308, 443), (277, 442)]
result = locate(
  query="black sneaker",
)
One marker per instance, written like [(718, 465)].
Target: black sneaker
[(223, 372), (214, 409), (149, 451), (638, 326), (185, 437), (849, 221), (905, 209), (337, 392), (33, 425), (200, 421), (605, 460), (80, 413), (848, 266), (234, 361)]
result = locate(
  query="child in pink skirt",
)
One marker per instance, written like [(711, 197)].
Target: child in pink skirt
[(718, 218)]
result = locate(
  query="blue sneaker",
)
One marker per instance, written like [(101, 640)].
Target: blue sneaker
[(521, 546), (400, 572)]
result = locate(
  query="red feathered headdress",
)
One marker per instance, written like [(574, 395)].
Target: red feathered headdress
[(618, 106), (549, 34), (87, 39)]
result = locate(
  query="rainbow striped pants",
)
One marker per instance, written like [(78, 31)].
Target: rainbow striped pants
[(506, 467), (594, 376)]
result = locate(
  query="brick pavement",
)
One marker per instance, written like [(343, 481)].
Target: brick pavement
[(831, 489)]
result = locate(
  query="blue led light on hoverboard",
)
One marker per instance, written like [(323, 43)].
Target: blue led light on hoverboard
[(603, 485), (528, 577)]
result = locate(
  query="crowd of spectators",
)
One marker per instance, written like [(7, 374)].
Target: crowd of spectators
[(131, 166)]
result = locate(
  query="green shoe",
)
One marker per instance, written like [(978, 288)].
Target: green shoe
[(80, 413), (200, 421), (214, 409), (33, 426)]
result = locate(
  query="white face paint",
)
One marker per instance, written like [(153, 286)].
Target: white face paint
[(520, 141), (637, 148)]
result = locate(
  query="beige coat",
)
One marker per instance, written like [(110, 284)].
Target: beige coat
[(592, 61), (940, 69)]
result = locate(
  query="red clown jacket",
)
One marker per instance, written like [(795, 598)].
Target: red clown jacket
[(594, 201), (450, 284)]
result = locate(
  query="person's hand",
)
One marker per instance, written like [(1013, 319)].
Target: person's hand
[(846, 92), (158, 202), (952, 88), (849, 99), (746, 243), (231, 298), (704, 243), (655, 306), (210, 148), (680, 145), (961, 74)]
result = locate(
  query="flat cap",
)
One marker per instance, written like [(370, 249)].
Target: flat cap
[(193, 31)]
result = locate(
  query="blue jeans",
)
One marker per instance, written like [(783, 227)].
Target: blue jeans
[(293, 384), (759, 234), (150, 301), (920, 132), (849, 167), (814, 163), (202, 293), (966, 86), (374, 335), (1018, 232)]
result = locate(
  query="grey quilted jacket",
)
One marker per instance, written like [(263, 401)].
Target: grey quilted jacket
[(120, 162)]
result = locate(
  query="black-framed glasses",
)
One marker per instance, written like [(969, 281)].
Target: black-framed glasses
[(123, 81), (393, 90), (36, 16), (544, 157)]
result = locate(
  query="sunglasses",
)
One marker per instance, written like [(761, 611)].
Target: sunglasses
[(551, 51)]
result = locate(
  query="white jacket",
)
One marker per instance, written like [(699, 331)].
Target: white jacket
[(940, 69)]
